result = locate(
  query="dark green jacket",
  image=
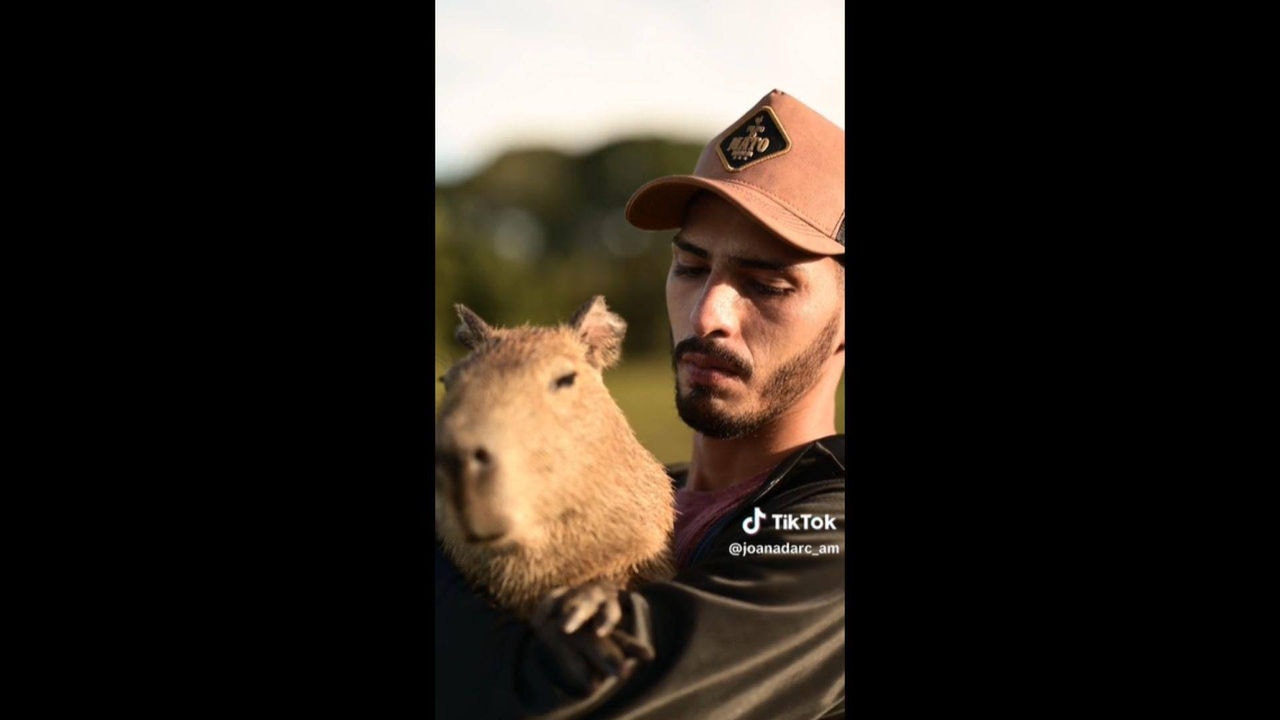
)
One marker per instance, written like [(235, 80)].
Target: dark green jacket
[(745, 637)]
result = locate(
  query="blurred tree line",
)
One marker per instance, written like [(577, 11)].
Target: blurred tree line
[(537, 232)]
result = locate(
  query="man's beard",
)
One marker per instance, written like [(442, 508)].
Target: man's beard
[(788, 383)]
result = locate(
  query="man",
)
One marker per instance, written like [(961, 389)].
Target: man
[(752, 626)]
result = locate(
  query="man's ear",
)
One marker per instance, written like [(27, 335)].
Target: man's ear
[(601, 331)]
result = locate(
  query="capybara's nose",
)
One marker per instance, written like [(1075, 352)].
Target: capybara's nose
[(464, 463), (479, 461), (473, 467)]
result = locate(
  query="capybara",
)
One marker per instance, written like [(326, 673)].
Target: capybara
[(540, 481)]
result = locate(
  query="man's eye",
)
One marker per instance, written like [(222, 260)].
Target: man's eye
[(687, 270), (772, 290)]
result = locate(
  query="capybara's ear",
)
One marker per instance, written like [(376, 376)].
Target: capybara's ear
[(473, 332), (602, 332)]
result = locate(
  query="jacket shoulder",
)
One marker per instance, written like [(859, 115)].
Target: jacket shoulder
[(835, 447), (820, 460)]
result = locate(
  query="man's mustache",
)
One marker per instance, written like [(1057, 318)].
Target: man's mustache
[(702, 346)]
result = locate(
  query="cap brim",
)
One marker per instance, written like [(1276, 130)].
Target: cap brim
[(660, 205)]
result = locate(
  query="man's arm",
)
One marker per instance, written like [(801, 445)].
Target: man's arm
[(753, 636), (489, 664)]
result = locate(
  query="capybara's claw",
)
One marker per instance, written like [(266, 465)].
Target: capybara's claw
[(596, 599)]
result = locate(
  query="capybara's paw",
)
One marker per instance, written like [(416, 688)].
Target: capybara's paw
[(583, 655), (596, 602)]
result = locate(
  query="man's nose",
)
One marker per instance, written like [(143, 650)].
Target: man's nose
[(713, 313)]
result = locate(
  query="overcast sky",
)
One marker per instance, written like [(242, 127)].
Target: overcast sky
[(574, 74)]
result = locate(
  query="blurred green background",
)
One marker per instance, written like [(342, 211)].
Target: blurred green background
[(537, 232)]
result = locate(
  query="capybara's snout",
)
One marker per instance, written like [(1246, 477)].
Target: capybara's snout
[(467, 476)]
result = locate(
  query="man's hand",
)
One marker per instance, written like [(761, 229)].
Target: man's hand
[(580, 628)]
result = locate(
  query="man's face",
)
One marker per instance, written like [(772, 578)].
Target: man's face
[(755, 322)]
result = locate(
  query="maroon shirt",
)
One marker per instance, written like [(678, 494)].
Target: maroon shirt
[(697, 511)]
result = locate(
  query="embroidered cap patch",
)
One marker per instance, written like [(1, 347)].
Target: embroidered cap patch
[(756, 140)]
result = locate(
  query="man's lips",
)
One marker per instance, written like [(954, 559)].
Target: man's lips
[(706, 362), (703, 368)]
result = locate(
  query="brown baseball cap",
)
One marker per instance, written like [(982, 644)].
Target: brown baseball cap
[(781, 163)]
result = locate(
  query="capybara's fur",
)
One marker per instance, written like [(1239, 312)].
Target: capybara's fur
[(540, 481)]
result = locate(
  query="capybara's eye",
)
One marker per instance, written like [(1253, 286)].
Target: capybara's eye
[(565, 381)]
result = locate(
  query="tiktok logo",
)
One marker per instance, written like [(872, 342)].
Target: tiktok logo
[(788, 521)]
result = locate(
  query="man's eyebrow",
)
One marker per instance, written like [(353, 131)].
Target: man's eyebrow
[(688, 247), (753, 263)]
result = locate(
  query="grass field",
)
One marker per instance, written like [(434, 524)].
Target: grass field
[(643, 389)]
